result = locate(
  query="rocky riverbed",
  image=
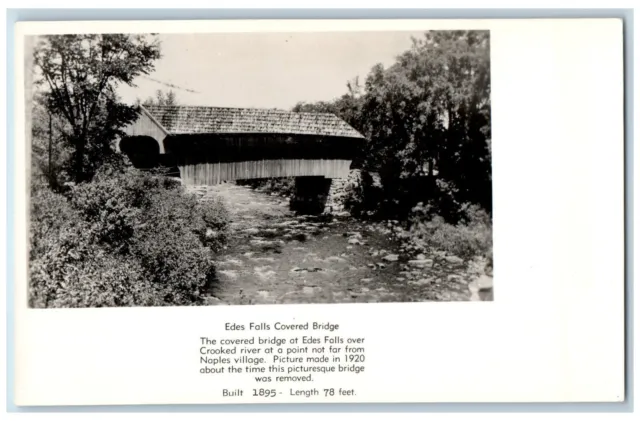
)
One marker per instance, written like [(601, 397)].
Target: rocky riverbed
[(277, 257)]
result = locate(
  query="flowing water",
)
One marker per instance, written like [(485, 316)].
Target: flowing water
[(277, 257)]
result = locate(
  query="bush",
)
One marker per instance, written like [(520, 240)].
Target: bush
[(216, 222), (126, 238), (283, 186), (68, 270), (470, 237), (170, 249), (364, 195)]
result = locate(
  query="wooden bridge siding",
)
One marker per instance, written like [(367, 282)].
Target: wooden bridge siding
[(145, 126), (212, 148), (216, 173)]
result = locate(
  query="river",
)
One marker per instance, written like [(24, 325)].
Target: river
[(277, 257)]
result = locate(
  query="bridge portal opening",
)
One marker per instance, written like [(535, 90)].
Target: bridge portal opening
[(144, 153), (310, 195)]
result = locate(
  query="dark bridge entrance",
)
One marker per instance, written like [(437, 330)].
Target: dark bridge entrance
[(210, 145), (310, 196)]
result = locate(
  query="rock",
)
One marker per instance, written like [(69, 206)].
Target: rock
[(349, 247), (375, 253), (454, 278), (424, 281), (252, 231), (421, 263), (421, 257), (474, 290), (485, 283), (232, 261), (366, 280), (390, 257), (300, 236), (354, 241), (371, 265), (454, 259), (399, 279), (262, 269), (381, 265), (486, 295), (229, 273), (264, 294), (308, 290), (263, 259), (214, 301)]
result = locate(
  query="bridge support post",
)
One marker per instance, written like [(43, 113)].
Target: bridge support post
[(310, 195)]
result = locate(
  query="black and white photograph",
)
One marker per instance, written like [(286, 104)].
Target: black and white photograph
[(213, 169), (307, 211)]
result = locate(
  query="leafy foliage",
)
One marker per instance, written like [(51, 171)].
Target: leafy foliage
[(48, 149), (162, 98), (78, 75), (427, 118), (283, 186), (470, 237), (126, 238), (68, 270)]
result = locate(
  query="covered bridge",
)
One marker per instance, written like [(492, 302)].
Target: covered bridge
[(210, 145)]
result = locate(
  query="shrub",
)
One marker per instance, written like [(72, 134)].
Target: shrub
[(364, 195), (68, 270), (283, 186), (169, 247), (126, 238), (216, 222), (470, 237)]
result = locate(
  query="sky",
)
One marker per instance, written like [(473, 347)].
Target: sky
[(266, 70)]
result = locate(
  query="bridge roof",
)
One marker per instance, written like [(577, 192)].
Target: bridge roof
[(203, 120)]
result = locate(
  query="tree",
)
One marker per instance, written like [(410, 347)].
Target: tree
[(427, 119), (162, 98), (79, 75), (48, 151), (314, 107), (429, 114), (346, 107)]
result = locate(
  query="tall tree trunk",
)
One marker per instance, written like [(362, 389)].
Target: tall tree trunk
[(49, 170), (79, 164)]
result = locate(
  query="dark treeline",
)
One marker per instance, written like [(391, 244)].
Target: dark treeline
[(428, 121)]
